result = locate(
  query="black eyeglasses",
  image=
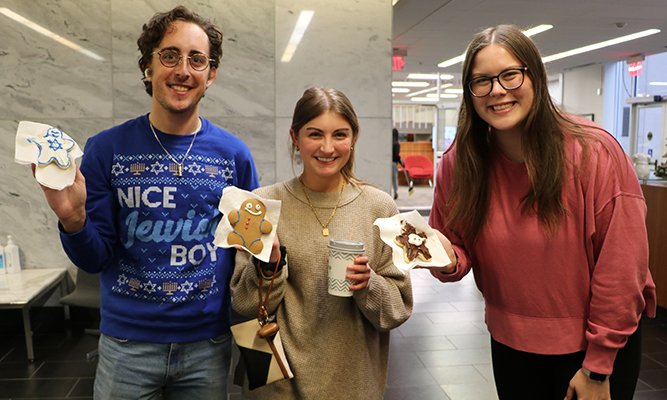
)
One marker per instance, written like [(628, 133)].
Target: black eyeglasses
[(170, 58), (509, 79)]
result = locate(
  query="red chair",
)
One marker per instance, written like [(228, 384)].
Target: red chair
[(419, 167)]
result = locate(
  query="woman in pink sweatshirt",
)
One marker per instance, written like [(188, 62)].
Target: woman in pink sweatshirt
[(546, 210)]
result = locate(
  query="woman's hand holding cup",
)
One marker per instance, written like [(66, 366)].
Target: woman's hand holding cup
[(360, 273)]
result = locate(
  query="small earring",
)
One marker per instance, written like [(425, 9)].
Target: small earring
[(351, 147)]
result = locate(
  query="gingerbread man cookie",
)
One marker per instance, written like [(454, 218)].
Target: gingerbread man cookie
[(413, 243), (249, 226)]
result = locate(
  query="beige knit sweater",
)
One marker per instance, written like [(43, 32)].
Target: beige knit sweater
[(337, 347)]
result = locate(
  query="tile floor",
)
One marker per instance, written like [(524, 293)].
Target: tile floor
[(440, 353)]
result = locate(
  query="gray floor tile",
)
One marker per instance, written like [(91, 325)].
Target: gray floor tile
[(486, 370), (442, 358), (431, 392), (435, 307), (451, 328), (422, 343), (404, 361), (470, 341), (458, 374), (413, 377), (471, 391), (461, 316), (468, 305)]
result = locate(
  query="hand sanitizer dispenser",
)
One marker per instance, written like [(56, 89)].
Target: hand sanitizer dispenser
[(3, 270), (12, 258)]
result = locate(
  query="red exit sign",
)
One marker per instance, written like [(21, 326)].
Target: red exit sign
[(636, 68), (399, 63)]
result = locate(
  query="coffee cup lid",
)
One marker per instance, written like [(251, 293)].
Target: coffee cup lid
[(346, 245)]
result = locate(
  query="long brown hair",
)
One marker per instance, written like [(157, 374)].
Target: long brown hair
[(542, 144), (316, 101), (153, 32)]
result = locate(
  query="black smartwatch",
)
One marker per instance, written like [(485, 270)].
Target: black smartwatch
[(595, 376)]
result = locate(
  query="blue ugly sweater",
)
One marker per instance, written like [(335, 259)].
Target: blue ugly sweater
[(150, 233)]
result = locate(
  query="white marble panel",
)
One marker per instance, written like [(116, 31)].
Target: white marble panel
[(285, 168), (346, 46), (44, 78), (257, 134), (244, 86)]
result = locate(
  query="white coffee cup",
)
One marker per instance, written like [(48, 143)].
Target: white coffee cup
[(341, 254)]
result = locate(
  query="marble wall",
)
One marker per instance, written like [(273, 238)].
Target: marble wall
[(347, 46)]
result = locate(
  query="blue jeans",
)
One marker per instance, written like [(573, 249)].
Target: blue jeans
[(130, 369)]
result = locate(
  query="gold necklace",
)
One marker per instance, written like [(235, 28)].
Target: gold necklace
[(325, 230), (179, 166)]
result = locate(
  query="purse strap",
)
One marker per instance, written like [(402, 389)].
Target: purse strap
[(263, 314), (267, 329)]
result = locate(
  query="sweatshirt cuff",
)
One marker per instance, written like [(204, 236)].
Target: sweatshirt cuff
[(600, 359)]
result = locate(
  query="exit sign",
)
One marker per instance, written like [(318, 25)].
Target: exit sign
[(399, 63), (636, 68)]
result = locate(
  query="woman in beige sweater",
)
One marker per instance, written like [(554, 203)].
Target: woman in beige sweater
[(337, 347)]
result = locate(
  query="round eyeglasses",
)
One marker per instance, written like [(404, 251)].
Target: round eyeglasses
[(509, 79), (171, 58)]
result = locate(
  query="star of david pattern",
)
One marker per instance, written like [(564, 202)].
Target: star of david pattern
[(53, 147), (166, 288), (158, 168)]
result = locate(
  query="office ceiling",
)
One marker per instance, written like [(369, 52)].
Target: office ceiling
[(432, 31)]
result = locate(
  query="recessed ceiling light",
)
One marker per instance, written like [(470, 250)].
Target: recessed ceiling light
[(424, 99), (600, 45), (442, 95), (299, 30), (538, 29), (433, 77), (430, 89), (658, 83), (410, 84), (10, 14), (400, 90), (452, 61), (528, 32)]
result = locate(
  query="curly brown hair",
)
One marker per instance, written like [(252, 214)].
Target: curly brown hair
[(153, 32)]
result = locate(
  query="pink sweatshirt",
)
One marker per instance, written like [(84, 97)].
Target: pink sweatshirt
[(586, 287)]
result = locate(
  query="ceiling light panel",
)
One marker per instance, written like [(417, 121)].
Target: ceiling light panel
[(432, 77), (600, 45), (299, 30), (528, 32), (38, 28), (409, 84)]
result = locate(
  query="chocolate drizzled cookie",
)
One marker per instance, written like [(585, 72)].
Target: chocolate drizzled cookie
[(413, 243)]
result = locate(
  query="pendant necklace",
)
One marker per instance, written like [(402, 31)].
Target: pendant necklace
[(325, 230), (179, 166)]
